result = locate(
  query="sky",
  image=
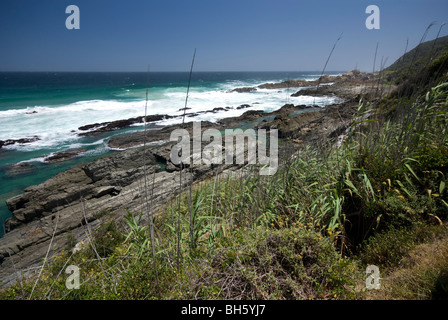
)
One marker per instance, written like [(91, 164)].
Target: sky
[(229, 35)]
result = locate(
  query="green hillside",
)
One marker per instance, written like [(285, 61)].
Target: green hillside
[(420, 68), (421, 55)]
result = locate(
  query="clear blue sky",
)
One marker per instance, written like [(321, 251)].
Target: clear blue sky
[(230, 35)]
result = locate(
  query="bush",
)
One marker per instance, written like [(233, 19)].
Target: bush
[(289, 263), (106, 238)]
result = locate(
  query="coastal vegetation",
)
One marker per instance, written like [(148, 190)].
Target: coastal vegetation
[(379, 197)]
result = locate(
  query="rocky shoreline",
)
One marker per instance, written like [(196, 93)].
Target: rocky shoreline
[(4, 143), (80, 197)]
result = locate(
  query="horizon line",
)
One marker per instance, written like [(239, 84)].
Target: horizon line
[(184, 71)]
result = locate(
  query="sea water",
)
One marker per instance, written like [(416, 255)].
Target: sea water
[(53, 105)]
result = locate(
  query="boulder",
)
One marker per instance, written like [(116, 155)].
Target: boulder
[(19, 141), (98, 128), (18, 169), (243, 106), (244, 89), (64, 155)]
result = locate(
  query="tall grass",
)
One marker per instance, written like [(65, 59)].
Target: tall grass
[(147, 202), (179, 255)]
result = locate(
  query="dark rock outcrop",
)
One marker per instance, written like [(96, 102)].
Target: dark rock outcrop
[(350, 76), (8, 142), (98, 128), (18, 169), (65, 155), (348, 86), (243, 106), (244, 89)]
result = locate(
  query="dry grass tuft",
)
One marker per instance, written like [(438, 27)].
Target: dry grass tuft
[(422, 274)]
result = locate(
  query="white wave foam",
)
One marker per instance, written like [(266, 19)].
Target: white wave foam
[(57, 126), (37, 159), (152, 143)]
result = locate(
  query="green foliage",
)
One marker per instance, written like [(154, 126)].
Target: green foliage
[(440, 291), (387, 248), (107, 237), (137, 235), (395, 172), (288, 263)]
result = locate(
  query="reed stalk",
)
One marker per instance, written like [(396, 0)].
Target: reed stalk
[(181, 169), (148, 209)]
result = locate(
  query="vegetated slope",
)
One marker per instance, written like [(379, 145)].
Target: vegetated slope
[(419, 69), (420, 55)]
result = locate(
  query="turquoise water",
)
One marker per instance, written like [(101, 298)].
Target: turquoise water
[(53, 106)]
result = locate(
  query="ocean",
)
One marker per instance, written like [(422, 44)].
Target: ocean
[(53, 105)]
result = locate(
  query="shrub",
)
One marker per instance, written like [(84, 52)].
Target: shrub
[(289, 263)]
